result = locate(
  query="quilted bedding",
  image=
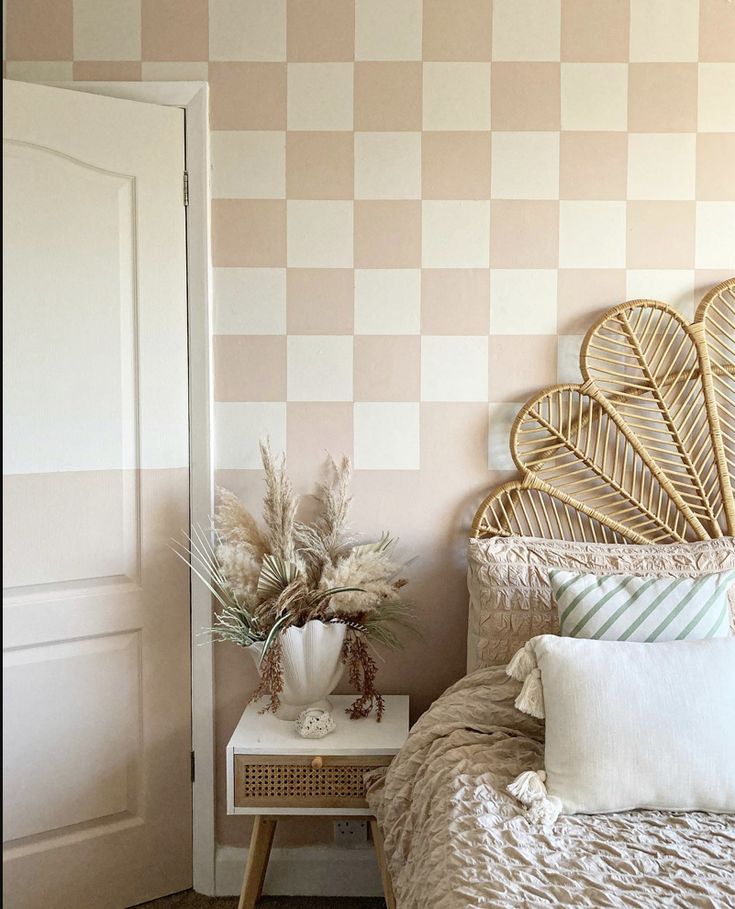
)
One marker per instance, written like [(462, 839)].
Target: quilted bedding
[(455, 840)]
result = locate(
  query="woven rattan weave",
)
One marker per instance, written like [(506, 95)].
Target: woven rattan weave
[(643, 450), (270, 781), (279, 781)]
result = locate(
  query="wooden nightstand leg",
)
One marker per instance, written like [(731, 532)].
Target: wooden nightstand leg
[(390, 900), (260, 849)]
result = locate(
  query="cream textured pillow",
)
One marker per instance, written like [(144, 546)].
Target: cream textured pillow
[(510, 594), (631, 725), (616, 607)]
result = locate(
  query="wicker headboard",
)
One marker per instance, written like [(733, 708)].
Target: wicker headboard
[(643, 451)]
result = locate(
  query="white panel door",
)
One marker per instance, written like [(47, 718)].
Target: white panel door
[(96, 695)]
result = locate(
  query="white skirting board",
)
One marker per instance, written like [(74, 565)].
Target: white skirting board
[(308, 871)]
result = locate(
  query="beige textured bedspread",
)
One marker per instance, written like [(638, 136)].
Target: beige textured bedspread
[(455, 840)]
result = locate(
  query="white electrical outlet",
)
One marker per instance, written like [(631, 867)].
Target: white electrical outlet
[(350, 833)]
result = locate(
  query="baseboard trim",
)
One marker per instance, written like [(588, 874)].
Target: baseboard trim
[(308, 871)]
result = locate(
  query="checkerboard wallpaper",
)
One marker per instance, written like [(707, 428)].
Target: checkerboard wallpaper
[(418, 208), (420, 203)]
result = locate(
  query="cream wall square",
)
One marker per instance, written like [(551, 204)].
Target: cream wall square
[(40, 70), (387, 436), (388, 165), (676, 286), (319, 368), (249, 301), (662, 165), (664, 30), (523, 301), (248, 165), (717, 97), (420, 207), (456, 96), (320, 95), (567, 358), (388, 29), (239, 427), (592, 234), (594, 96), (525, 165), (715, 235), (247, 30), (387, 301), (526, 29), (107, 30), (500, 420), (319, 234), (456, 234), (453, 368)]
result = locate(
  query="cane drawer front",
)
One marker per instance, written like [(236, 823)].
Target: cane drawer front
[(308, 781)]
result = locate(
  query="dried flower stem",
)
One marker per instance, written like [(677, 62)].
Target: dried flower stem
[(271, 678), (362, 670)]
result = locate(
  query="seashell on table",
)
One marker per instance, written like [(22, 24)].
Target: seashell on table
[(315, 723)]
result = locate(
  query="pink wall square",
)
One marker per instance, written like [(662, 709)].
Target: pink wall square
[(716, 166), (524, 234), (319, 301), (455, 165), (387, 234), (247, 95), (458, 30), (595, 31), (39, 29), (249, 368), (175, 29), (387, 367), (107, 71), (526, 96), (661, 234), (320, 165), (315, 429), (662, 97), (716, 24), (320, 30), (584, 292), (388, 96), (593, 165), (248, 232), (507, 381), (455, 301)]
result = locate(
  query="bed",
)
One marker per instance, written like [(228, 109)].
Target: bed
[(631, 468)]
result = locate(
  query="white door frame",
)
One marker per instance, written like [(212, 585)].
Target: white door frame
[(193, 97)]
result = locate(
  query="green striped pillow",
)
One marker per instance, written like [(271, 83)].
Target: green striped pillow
[(627, 608)]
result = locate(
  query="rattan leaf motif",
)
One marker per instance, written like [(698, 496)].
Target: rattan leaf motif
[(716, 321), (644, 449), (644, 360), (572, 447), (517, 510)]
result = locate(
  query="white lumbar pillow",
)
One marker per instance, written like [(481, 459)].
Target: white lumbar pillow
[(629, 725)]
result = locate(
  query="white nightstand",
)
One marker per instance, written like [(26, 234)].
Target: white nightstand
[(271, 771)]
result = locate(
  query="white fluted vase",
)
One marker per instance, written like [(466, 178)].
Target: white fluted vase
[(311, 660)]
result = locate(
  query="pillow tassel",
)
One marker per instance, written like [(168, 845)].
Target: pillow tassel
[(544, 811), (531, 698), (523, 662), (528, 787)]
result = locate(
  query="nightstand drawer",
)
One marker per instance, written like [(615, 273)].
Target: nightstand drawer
[(308, 781)]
